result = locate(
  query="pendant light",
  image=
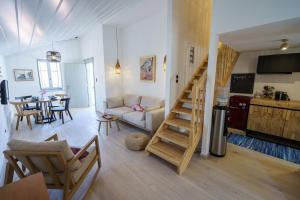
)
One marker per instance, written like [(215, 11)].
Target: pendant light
[(284, 46), (53, 56), (117, 66)]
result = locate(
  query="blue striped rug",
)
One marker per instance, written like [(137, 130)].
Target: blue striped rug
[(269, 148)]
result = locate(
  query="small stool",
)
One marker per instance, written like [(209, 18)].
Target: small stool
[(137, 141)]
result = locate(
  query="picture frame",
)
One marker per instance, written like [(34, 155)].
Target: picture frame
[(148, 68), (23, 75)]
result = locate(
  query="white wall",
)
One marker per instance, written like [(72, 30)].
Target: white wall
[(70, 53), (5, 120), (113, 81), (290, 83), (143, 38), (91, 46), (232, 15)]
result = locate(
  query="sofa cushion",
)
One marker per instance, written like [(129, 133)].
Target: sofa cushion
[(114, 102), (47, 146), (149, 102), (135, 118), (118, 111), (130, 100)]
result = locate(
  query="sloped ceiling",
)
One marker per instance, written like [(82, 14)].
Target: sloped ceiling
[(30, 23), (264, 37)]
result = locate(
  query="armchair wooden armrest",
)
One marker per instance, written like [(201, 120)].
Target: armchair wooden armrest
[(85, 147), (53, 137)]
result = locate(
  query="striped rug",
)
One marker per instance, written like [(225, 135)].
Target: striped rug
[(269, 148)]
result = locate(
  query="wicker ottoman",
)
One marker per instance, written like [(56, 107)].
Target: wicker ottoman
[(137, 141)]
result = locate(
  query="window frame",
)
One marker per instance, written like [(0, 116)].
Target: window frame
[(51, 88)]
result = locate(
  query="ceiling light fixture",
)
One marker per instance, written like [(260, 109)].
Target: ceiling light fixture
[(117, 66), (284, 46), (53, 56)]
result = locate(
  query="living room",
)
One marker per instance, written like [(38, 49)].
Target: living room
[(114, 99)]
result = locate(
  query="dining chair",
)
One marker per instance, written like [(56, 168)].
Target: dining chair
[(19, 106), (28, 106), (61, 109)]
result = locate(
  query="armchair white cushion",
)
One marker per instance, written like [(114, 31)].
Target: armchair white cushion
[(130, 100), (114, 102)]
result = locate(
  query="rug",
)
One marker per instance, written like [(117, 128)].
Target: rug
[(269, 148)]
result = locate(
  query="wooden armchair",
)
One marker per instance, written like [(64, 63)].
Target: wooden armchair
[(60, 167)]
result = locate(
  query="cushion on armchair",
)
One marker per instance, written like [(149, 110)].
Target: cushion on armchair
[(48, 146)]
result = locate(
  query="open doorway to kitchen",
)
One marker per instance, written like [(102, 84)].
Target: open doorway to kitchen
[(89, 65)]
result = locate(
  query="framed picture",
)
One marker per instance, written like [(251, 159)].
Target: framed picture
[(23, 74), (147, 68)]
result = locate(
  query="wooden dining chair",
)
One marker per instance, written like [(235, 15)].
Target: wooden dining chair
[(61, 109), (19, 106), (61, 168)]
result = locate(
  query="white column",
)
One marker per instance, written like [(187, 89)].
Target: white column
[(210, 88)]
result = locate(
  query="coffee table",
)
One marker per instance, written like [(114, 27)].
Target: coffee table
[(108, 122)]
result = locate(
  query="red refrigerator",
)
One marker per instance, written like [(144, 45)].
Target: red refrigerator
[(239, 108)]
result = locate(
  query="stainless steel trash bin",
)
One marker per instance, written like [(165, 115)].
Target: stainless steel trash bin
[(218, 139)]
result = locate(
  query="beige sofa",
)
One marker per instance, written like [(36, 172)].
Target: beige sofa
[(148, 120)]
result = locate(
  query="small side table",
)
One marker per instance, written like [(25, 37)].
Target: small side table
[(108, 122)]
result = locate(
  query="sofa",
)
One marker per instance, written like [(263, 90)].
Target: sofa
[(149, 119)]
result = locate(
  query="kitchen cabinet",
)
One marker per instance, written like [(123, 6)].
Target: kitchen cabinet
[(278, 118), (266, 120), (292, 125)]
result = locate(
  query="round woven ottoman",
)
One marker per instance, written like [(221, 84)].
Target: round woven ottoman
[(137, 141)]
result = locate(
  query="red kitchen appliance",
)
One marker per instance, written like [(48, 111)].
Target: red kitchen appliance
[(239, 108)]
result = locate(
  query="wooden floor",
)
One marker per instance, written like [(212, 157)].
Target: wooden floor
[(128, 175)]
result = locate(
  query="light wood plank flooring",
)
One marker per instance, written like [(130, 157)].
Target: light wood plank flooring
[(128, 175)]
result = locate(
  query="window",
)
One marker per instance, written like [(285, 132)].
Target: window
[(50, 75)]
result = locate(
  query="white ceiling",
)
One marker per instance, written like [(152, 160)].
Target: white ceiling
[(30, 23), (265, 37)]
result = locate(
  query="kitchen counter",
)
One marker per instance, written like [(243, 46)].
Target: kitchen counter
[(291, 105)]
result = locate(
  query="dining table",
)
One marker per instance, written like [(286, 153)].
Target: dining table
[(44, 104)]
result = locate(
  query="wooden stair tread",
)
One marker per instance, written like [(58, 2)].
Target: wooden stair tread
[(187, 91), (172, 136), (182, 111), (167, 151), (180, 123), (186, 100)]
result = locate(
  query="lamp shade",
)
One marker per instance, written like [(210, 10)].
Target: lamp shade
[(118, 67), (53, 56)]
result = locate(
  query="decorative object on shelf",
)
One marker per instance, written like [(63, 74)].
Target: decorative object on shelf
[(285, 45), (268, 92), (147, 68), (165, 63), (53, 56), (117, 66), (23, 74)]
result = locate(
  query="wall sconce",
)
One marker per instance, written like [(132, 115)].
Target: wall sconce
[(165, 64)]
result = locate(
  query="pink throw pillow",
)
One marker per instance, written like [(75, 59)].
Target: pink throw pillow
[(137, 108)]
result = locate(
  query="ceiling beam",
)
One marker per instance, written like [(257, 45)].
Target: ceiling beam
[(17, 20), (35, 20)]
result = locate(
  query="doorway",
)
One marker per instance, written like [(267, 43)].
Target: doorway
[(89, 65)]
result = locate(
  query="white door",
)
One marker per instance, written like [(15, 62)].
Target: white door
[(90, 80), (76, 84)]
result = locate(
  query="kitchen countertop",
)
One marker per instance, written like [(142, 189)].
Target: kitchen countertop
[(295, 105)]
